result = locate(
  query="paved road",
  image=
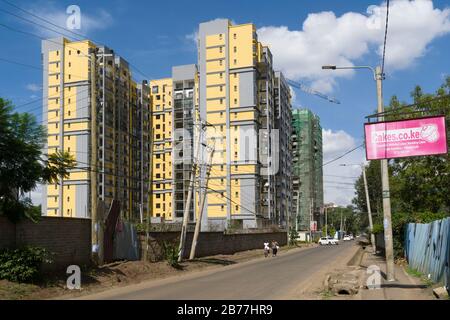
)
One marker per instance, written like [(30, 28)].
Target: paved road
[(267, 278)]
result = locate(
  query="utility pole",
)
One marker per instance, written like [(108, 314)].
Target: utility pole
[(150, 204), (388, 241), (93, 174), (372, 236), (326, 221), (189, 197), (201, 207)]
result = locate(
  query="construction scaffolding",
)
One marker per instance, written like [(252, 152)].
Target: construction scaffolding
[(307, 170)]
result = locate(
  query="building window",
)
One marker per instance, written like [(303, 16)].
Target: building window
[(235, 90), (234, 35), (221, 101), (220, 62), (70, 52), (236, 194), (235, 61), (70, 64), (221, 88), (68, 199), (237, 208), (220, 36), (221, 75), (155, 89), (222, 207), (220, 49), (235, 49), (236, 181), (57, 53), (158, 205)]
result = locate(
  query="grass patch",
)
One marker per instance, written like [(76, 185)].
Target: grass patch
[(326, 294), (415, 273)]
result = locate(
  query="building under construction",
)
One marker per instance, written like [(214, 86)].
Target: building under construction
[(307, 171)]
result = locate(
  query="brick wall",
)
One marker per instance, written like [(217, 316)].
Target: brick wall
[(68, 238), (212, 243), (7, 233)]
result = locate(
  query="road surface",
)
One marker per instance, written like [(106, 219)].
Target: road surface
[(266, 278)]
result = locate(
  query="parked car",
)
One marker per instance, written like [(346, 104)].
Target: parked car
[(327, 241), (347, 238)]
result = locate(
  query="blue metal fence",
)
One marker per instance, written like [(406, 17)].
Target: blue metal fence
[(427, 249)]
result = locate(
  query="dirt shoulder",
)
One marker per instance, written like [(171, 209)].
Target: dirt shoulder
[(124, 273)]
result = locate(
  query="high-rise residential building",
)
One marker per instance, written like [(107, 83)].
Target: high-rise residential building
[(236, 91), (307, 170), (95, 111), (283, 123), (174, 103)]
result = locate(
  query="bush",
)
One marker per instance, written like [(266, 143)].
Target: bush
[(170, 251), (293, 236), (22, 264), (377, 228)]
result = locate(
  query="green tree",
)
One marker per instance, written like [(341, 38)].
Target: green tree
[(22, 165), (373, 174)]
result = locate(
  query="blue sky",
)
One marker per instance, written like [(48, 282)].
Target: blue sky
[(157, 35)]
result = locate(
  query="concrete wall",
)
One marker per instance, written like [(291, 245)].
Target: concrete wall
[(68, 238), (212, 243)]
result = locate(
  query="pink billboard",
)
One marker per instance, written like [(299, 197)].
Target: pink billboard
[(406, 138)]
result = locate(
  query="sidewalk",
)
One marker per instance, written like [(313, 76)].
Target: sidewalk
[(405, 287)]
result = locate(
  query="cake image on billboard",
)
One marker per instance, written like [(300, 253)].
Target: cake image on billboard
[(429, 133)]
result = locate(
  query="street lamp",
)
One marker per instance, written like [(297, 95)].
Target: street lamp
[(369, 211), (378, 76)]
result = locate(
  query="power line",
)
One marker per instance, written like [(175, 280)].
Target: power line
[(341, 156), (53, 30), (42, 19), (385, 36), (393, 110)]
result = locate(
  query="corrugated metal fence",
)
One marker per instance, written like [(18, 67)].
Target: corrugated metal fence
[(427, 249)]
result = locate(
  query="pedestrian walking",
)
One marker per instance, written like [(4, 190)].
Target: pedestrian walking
[(275, 248), (266, 249)]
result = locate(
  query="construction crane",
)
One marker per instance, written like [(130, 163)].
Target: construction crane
[(306, 89)]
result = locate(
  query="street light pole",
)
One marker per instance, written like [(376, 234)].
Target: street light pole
[(387, 222), (369, 211)]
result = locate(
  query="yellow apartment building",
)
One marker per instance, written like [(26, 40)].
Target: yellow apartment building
[(96, 112)]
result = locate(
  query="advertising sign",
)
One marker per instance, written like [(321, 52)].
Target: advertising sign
[(313, 225), (406, 138)]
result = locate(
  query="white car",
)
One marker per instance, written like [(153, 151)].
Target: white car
[(327, 241), (347, 238)]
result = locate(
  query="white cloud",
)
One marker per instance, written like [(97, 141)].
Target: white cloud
[(339, 180), (336, 143), (98, 20), (293, 96), (36, 195), (33, 87), (344, 40)]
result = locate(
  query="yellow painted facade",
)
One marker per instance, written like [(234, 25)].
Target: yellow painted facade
[(69, 71), (161, 103)]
